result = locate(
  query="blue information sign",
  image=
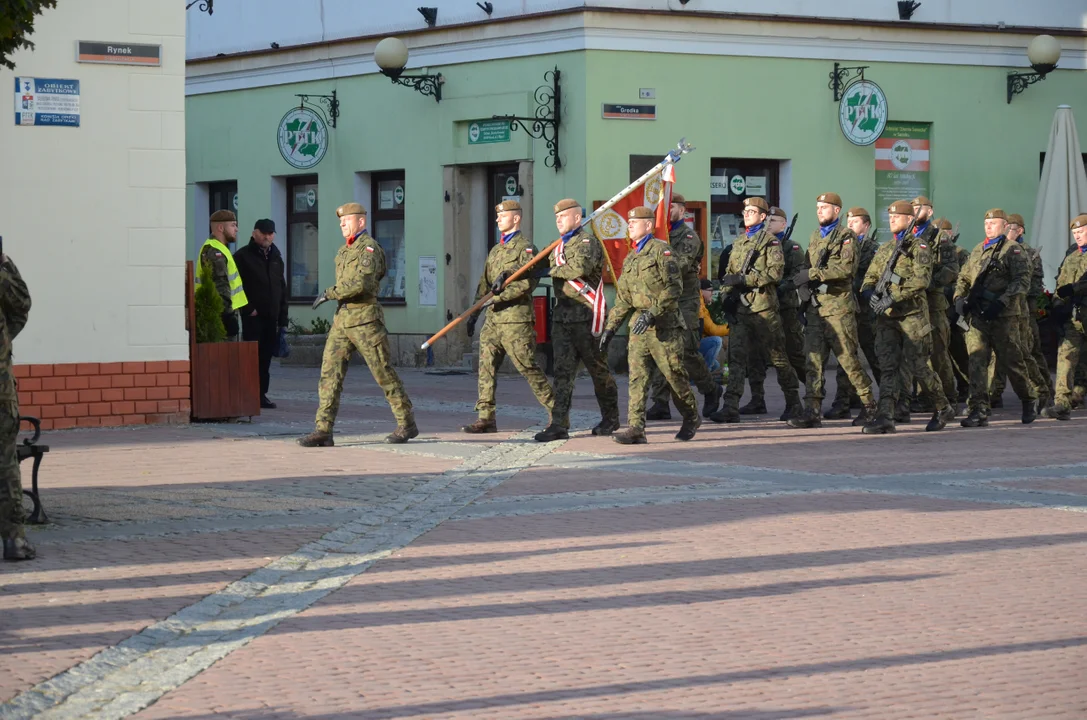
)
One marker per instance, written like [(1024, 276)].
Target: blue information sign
[(46, 101)]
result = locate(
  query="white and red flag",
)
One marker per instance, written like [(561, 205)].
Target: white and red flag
[(611, 226)]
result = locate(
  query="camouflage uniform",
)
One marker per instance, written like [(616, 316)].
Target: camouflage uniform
[(1008, 278), (789, 310), (14, 309), (1073, 347), (960, 359), (215, 264), (359, 324), (758, 324), (1029, 335), (687, 251), (571, 332), (866, 320), (510, 327), (903, 331)]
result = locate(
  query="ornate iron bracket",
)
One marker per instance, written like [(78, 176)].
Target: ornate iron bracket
[(839, 78), (207, 6), (425, 84), (545, 125), (332, 106), (1018, 82)]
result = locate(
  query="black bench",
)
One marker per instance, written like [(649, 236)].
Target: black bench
[(29, 448)]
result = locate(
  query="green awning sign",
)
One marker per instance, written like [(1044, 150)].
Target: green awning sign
[(483, 132)]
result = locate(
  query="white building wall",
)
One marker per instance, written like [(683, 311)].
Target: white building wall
[(94, 216)]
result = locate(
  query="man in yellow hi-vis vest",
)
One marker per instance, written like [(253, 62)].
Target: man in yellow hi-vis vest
[(217, 266)]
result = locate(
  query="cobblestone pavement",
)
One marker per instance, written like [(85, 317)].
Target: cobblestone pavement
[(756, 572)]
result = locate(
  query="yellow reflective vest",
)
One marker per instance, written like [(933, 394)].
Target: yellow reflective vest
[(237, 294)]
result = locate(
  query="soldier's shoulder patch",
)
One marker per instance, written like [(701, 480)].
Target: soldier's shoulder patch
[(667, 252), (1016, 250), (922, 246), (690, 236), (218, 254), (847, 241), (529, 251), (369, 249), (796, 247), (775, 242), (585, 240)]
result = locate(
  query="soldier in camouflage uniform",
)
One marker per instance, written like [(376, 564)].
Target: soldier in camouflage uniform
[(945, 270), (1070, 308), (832, 312), (1029, 334), (902, 321), (510, 327), (650, 286), (960, 359), (859, 221), (14, 309), (359, 324), (789, 309), (224, 228), (993, 309), (755, 268), (688, 251), (576, 267)]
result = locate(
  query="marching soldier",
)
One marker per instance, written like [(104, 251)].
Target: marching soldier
[(1070, 305), (14, 310), (688, 251), (650, 286), (1029, 335), (960, 363), (859, 221), (895, 286), (510, 325), (832, 313), (788, 308), (576, 322), (359, 324), (755, 269), (987, 291)]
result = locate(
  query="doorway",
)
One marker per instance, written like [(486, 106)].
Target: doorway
[(503, 183), (733, 180)]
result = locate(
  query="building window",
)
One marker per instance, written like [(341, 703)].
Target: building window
[(733, 180), (386, 225), (302, 211), (223, 196)]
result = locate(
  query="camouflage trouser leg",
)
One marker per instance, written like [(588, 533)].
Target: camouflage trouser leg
[(1039, 375), (1037, 354), (760, 330), (664, 348), (518, 340), (960, 360), (693, 361), (1001, 337), (794, 340), (1081, 375), (836, 334), (757, 361), (866, 340), (11, 489), (574, 342), (903, 346), (941, 352), (337, 354), (1070, 357)]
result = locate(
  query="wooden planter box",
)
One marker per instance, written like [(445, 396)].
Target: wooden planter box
[(225, 376)]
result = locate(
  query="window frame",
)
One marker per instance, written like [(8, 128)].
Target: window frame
[(293, 217), (377, 215)]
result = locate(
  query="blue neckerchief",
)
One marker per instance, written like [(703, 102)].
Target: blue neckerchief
[(1082, 249), (566, 236), (676, 225), (989, 243), (899, 234), (754, 229), (921, 227), (780, 235), (825, 230), (1021, 238), (507, 238), (641, 243), (860, 238)]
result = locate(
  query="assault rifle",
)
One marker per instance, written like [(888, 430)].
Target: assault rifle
[(804, 291), (732, 298), (789, 230), (978, 294), (1072, 307), (858, 278), (881, 293)]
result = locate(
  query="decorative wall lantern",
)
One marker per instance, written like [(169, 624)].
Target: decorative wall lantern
[(1043, 53), (391, 55)]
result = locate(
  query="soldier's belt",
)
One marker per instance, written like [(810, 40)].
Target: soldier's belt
[(355, 305)]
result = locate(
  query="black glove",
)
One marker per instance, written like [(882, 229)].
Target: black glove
[(605, 339), (722, 262), (730, 303), (320, 299), (644, 321), (993, 311), (496, 286), (802, 277), (866, 296), (470, 324), (732, 280), (960, 306), (1066, 291)]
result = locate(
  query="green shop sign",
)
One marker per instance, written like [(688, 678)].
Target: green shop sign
[(483, 132), (303, 138)]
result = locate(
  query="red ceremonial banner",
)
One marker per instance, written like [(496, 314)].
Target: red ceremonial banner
[(611, 225)]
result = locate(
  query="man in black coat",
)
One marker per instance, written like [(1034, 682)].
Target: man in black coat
[(264, 280)]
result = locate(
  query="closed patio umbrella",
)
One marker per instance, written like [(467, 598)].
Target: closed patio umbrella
[(1062, 193)]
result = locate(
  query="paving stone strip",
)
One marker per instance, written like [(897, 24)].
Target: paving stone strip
[(131, 675)]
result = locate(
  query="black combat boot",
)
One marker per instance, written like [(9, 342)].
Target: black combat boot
[(881, 425), (996, 402), (18, 549), (867, 415), (659, 411), (401, 435), (481, 426), (630, 436), (755, 406), (1057, 412), (793, 407), (1030, 411), (725, 415), (606, 427), (807, 419), (838, 411), (902, 412), (316, 439), (688, 428), (976, 418), (551, 433), (712, 400), (921, 405), (940, 419)]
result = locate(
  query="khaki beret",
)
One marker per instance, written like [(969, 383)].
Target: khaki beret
[(859, 212), (830, 199), (900, 207), (1078, 222), (350, 209), (996, 214), (566, 205), (508, 206), (641, 213), (778, 212), (223, 216), (1016, 219), (757, 202), (944, 224), (921, 200), (679, 199)]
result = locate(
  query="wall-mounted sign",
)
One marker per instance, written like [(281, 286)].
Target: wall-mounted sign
[(46, 101), (118, 53), (428, 280), (483, 132), (629, 112), (511, 185), (862, 112), (303, 138), (755, 185), (902, 166), (398, 194), (737, 184)]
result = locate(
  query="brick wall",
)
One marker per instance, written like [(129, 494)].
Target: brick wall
[(70, 395)]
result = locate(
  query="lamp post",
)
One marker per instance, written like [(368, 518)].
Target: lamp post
[(1043, 53), (391, 55)]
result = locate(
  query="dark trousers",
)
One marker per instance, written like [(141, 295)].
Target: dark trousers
[(266, 334)]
